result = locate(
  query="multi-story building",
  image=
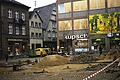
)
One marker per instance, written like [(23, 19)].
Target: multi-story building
[(14, 29), (72, 22), (35, 28), (48, 15), (75, 18)]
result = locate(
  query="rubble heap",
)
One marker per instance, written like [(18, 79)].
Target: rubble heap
[(110, 55), (83, 58)]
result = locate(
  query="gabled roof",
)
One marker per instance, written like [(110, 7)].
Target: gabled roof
[(14, 2), (45, 13), (31, 14)]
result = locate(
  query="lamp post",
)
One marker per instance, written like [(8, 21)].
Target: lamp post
[(111, 21)]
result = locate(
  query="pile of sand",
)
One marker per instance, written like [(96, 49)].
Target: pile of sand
[(52, 60)]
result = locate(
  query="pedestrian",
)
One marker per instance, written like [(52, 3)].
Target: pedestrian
[(100, 49), (6, 57)]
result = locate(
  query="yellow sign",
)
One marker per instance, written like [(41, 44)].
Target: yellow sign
[(104, 23)]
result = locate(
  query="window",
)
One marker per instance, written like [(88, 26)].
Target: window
[(36, 24), (32, 46), (95, 4), (113, 3), (32, 24), (64, 8), (32, 35), (10, 29), (23, 16), (9, 13), (16, 16), (65, 25), (49, 34), (37, 36), (23, 31), (54, 24), (80, 5), (117, 3), (80, 24), (17, 30), (54, 35), (35, 16), (40, 25)]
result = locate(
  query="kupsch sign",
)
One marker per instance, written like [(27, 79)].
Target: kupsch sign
[(80, 36)]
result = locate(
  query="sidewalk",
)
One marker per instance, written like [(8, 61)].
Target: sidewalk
[(14, 60)]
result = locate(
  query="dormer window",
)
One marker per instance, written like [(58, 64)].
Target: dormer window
[(23, 16), (9, 13)]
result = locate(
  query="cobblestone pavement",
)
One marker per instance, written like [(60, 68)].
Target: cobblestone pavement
[(57, 76), (72, 75)]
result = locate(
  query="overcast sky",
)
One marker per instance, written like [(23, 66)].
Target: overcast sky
[(39, 3)]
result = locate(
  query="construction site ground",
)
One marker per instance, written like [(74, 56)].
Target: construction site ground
[(73, 70)]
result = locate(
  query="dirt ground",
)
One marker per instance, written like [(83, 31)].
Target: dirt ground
[(67, 71)]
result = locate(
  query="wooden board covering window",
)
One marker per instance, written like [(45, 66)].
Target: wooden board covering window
[(83, 5), (76, 6), (61, 25), (68, 25), (83, 23), (77, 24), (80, 24), (111, 3), (67, 7), (80, 5), (96, 4), (117, 3)]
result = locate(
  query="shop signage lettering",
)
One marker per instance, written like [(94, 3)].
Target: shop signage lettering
[(15, 40), (81, 36)]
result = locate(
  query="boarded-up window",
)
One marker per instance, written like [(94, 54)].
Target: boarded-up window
[(68, 25), (117, 3), (65, 25), (80, 24), (84, 23), (113, 3), (61, 25), (83, 4), (76, 6), (80, 5), (64, 8), (67, 7), (96, 4), (77, 24)]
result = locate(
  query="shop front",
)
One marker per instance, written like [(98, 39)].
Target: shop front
[(80, 42), (104, 30), (17, 47), (81, 45), (96, 43)]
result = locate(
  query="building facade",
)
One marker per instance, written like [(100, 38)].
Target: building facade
[(74, 21), (72, 26), (35, 28), (14, 36), (48, 15)]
